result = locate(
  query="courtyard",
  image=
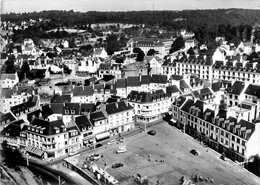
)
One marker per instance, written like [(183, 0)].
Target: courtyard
[(165, 157)]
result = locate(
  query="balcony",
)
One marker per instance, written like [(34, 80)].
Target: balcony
[(48, 142)]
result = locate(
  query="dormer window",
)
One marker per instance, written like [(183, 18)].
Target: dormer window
[(57, 130), (66, 111), (73, 111)]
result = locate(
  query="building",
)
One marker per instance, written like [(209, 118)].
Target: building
[(149, 106), (53, 138), (234, 70), (8, 80), (120, 116), (236, 137)]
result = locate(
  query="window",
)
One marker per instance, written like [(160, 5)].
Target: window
[(238, 140), (233, 138), (222, 132), (66, 142), (243, 143)]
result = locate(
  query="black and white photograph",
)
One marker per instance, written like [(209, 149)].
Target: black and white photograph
[(130, 92)]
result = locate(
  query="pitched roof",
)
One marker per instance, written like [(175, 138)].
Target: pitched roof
[(71, 109), (97, 116), (6, 93), (14, 128), (57, 108), (253, 90), (216, 86), (48, 127), (7, 117), (60, 98), (183, 85), (145, 97), (145, 79), (87, 107), (133, 81), (159, 79), (121, 83), (82, 121), (179, 101), (83, 91), (187, 105), (176, 77), (116, 107), (11, 76), (172, 89), (236, 88)]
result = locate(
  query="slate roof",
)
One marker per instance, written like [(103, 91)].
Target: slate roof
[(57, 108), (253, 90), (71, 109), (176, 77), (7, 117), (133, 81), (116, 107), (216, 86), (162, 79), (49, 127), (183, 85), (121, 83), (236, 88), (14, 129), (145, 97), (83, 121), (87, 107), (83, 91), (145, 79), (172, 89), (6, 93), (12, 76), (179, 101), (60, 98), (187, 105), (97, 116)]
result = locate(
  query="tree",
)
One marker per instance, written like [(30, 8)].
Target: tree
[(191, 51), (9, 66), (178, 44), (254, 166), (151, 52), (136, 50), (11, 157), (140, 56), (25, 70)]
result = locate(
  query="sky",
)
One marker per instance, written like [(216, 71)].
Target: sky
[(21, 6)]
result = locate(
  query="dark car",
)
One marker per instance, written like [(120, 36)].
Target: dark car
[(151, 132), (194, 152), (117, 165)]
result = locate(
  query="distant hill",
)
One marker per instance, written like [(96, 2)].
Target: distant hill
[(162, 18)]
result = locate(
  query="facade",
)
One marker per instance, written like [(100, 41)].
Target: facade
[(237, 71), (236, 137), (8, 80), (149, 106), (53, 138), (120, 116)]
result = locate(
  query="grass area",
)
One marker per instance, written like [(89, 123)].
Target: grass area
[(174, 147)]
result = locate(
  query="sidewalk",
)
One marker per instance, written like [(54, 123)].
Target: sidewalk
[(75, 176)]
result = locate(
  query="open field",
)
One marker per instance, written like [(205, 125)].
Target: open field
[(175, 148)]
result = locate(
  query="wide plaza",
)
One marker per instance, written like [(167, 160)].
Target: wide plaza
[(144, 153)]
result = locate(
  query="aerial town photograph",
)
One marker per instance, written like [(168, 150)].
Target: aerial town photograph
[(130, 92)]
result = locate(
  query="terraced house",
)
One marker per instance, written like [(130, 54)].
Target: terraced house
[(220, 129)]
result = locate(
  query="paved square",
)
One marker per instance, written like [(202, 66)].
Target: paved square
[(174, 147)]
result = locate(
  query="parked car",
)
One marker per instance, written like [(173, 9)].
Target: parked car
[(73, 153), (96, 156), (151, 132), (194, 152), (111, 141), (117, 165), (122, 149), (98, 145)]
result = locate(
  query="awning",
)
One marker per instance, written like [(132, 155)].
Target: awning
[(173, 120), (103, 135), (34, 150)]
